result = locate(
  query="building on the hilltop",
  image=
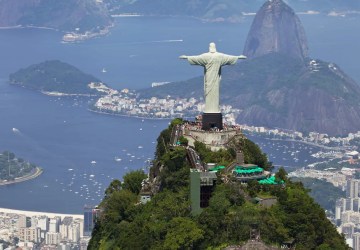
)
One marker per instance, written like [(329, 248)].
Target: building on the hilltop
[(246, 172), (202, 185), (214, 138)]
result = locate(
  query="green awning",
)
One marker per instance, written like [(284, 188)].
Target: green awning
[(270, 181), (217, 168)]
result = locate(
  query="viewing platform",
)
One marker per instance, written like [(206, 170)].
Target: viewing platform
[(213, 138)]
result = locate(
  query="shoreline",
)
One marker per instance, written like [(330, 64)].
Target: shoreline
[(137, 117), (38, 213), (38, 172)]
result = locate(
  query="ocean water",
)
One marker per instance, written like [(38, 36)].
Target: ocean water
[(64, 138)]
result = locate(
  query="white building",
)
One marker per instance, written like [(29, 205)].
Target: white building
[(52, 238), (74, 232), (43, 223), (356, 241), (64, 227), (54, 225)]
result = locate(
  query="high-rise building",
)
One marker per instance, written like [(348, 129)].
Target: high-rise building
[(43, 223), (64, 227), (54, 224), (348, 229), (52, 238), (356, 241), (30, 234), (81, 226), (22, 221), (74, 232), (90, 216), (352, 188)]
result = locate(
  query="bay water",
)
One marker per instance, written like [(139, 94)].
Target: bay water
[(81, 151)]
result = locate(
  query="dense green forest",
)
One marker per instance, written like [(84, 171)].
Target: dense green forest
[(12, 167), (166, 221)]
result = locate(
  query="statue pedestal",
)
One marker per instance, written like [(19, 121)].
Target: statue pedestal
[(212, 121)]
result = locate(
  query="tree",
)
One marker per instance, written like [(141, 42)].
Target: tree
[(183, 141), (115, 185), (281, 174), (183, 233), (132, 181)]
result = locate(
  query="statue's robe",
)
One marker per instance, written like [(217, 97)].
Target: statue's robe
[(212, 63)]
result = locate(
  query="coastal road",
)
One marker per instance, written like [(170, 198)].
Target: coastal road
[(38, 171)]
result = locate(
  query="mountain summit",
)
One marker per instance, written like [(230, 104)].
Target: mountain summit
[(276, 28)]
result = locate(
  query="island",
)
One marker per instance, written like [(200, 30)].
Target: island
[(55, 78), (14, 169)]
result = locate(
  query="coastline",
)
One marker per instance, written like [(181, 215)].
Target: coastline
[(38, 172), (37, 213), (54, 93), (137, 117)]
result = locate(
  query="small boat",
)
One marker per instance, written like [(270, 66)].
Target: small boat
[(15, 130), (103, 70), (93, 162)]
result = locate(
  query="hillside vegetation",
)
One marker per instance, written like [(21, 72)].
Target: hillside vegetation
[(12, 167), (54, 76), (166, 221)]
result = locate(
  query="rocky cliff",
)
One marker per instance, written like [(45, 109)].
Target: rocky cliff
[(65, 15), (276, 28)]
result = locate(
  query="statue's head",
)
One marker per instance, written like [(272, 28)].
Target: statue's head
[(212, 48)]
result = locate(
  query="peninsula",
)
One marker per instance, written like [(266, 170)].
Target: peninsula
[(14, 169), (80, 19), (55, 78)]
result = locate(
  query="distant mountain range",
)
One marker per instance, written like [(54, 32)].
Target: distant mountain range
[(95, 15), (279, 85), (228, 9), (64, 15)]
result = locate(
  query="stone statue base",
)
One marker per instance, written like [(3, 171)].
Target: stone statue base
[(212, 121)]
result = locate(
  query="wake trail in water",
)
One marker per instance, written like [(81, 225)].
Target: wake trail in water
[(160, 41), (34, 146)]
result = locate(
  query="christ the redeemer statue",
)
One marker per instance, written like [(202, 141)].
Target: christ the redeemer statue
[(212, 63)]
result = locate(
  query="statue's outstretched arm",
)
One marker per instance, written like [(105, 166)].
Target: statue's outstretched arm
[(242, 57), (183, 57)]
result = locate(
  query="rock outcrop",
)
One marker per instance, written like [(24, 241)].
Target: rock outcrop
[(276, 28)]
